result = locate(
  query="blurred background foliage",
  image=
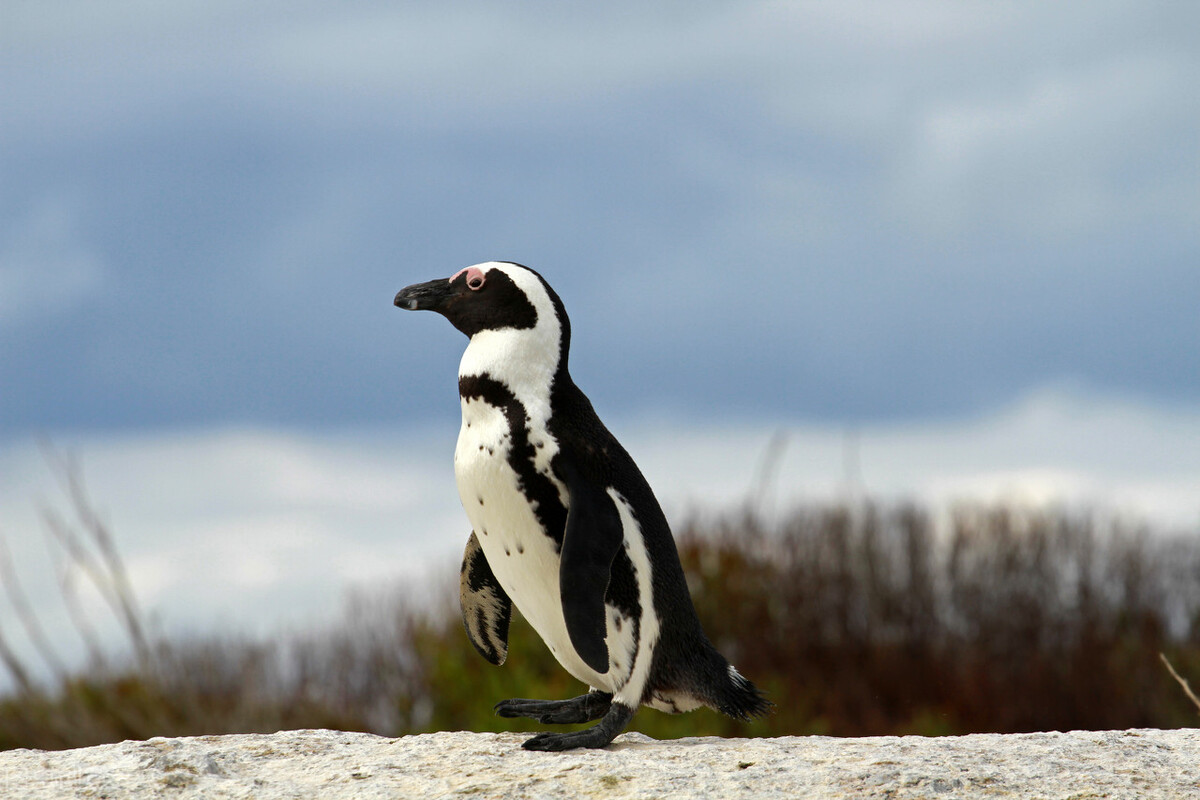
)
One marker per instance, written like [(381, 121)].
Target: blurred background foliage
[(856, 619)]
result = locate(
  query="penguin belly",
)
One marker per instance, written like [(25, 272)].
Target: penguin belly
[(523, 557)]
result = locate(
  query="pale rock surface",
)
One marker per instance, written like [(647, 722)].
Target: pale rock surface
[(332, 765)]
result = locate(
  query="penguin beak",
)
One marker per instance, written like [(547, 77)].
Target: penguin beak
[(429, 296)]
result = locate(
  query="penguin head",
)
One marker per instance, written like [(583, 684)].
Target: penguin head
[(493, 296)]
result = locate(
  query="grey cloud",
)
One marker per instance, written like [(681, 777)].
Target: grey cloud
[(842, 210)]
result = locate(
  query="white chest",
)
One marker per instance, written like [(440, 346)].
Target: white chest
[(522, 557), (525, 560)]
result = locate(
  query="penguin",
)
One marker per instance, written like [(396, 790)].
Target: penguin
[(564, 525)]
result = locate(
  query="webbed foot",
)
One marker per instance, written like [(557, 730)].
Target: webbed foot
[(584, 708), (600, 735)]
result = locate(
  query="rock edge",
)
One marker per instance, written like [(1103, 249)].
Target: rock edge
[(331, 764)]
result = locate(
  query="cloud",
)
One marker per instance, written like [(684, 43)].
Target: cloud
[(840, 211), (257, 530), (1066, 154), (254, 529)]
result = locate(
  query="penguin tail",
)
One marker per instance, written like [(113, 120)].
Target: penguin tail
[(737, 697)]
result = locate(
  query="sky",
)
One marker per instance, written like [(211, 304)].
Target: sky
[(833, 212), (964, 236)]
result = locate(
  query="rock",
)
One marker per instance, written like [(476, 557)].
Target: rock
[(330, 765)]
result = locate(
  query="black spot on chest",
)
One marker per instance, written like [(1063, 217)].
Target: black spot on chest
[(534, 484)]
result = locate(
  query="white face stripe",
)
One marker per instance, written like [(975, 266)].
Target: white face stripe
[(528, 283), (525, 360)]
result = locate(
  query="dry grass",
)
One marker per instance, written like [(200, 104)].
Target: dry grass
[(864, 620)]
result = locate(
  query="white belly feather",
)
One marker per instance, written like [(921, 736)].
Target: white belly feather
[(525, 562)]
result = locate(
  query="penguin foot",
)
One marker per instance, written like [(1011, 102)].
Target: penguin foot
[(600, 735), (584, 708)]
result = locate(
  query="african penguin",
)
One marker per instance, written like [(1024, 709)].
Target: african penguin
[(564, 525)]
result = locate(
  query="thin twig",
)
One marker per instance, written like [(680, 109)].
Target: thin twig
[(69, 558), (29, 618), (767, 472), (1187, 689), (118, 578), (12, 662), (109, 575)]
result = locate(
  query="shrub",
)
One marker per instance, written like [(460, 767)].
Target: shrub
[(856, 621)]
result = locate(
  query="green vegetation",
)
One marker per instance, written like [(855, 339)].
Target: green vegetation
[(872, 620)]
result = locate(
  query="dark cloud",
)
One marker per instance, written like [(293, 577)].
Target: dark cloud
[(831, 212)]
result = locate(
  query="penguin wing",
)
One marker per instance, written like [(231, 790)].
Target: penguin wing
[(486, 608), (590, 543)]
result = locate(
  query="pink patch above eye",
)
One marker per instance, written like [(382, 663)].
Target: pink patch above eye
[(474, 277)]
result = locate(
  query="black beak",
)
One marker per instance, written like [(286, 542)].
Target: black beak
[(429, 296)]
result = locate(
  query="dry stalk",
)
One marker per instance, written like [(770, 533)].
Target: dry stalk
[(12, 662), (107, 573), (1187, 689), (19, 601)]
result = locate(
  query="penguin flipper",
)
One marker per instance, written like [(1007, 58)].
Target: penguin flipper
[(486, 608), (591, 540)]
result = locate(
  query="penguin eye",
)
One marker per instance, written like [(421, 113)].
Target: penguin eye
[(474, 276)]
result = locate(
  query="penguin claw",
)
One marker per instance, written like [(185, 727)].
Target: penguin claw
[(584, 708), (552, 742), (517, 707), (597, 736)]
